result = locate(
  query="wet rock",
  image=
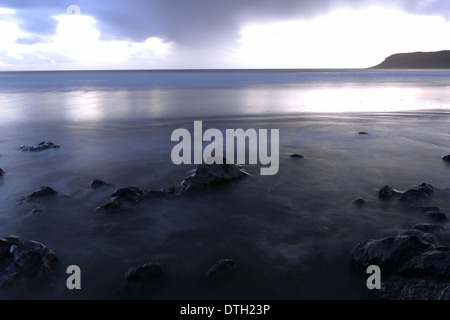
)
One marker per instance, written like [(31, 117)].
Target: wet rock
[(297, 156), (414, 264), (223, 268), (417, 194), (363, 132), (387, 192), (1, 172), (434, 229), (429, 208), (359, 201), (27, 263), (207, 174), (97, 183), (436, 215), (40, 147), (145, 273), (42, 192), (446, 158)]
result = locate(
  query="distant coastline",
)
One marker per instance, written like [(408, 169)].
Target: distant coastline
[(417, 60)]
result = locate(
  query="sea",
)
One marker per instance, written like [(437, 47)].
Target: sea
[(290, 234)]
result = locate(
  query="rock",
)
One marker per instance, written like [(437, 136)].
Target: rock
[(144, 273), (223, 268), (387, 192), (42, 192), (25, 263), (40, 147), (363, 132), (206, 174), (434, 229), (359, 201), (1, 172), (129, 197), (414, 264), (298, 156), (417, 194), (97, 183), (436, 215), (446, 158)]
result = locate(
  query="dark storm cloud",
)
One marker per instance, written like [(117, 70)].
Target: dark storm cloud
[(193, 22)]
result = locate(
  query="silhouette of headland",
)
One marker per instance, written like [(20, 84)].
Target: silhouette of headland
[(417, 60)]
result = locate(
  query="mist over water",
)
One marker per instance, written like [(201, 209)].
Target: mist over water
[(290, 234)]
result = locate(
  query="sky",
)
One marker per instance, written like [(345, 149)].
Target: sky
[(216, 34)]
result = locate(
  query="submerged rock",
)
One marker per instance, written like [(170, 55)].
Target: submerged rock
[(436, 215), (40, 147), (387, 192), (359, 201), (414, 264), (297, 156), (207, 174), (97, 183), (446, 158), (25, 263), (144, 273), (362, 132), (42, 192), (223, 268), (415, 195), (1, 172)]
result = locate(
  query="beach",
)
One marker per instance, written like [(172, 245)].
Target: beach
[(290, 235)]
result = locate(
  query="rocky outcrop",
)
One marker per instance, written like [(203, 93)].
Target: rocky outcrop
[(1, 172), (207, 174), (223, 268), (97, 183), (203, 175), (41, 193), (25, 264), (40, 147), (415, 264), (415, 196)]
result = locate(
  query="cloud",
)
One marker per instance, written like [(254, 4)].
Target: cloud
[(201, 31)]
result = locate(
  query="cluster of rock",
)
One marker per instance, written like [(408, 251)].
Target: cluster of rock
[(25, 264), (44, 145), (415, 264)]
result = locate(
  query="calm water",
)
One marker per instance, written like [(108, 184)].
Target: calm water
[(289, 234)]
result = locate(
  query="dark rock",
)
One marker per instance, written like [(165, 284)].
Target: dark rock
[(434, 229), (363, 132), (97, 183), (223, 268), (40, 147), (387, 192), (446, 158), (359, 201), (129, 194), (429, 208), (296, 155), (42, 192), (207, 174), (1, 172), (25, 263), (417, 194), (414, 264), (436, 215), (144, 273)]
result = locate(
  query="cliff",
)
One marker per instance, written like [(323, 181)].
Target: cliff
[(417, 60)]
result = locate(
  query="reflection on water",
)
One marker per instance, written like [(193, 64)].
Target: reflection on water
[(178, 103)]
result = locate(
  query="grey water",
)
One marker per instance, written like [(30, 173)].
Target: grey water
[(289, 234)]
